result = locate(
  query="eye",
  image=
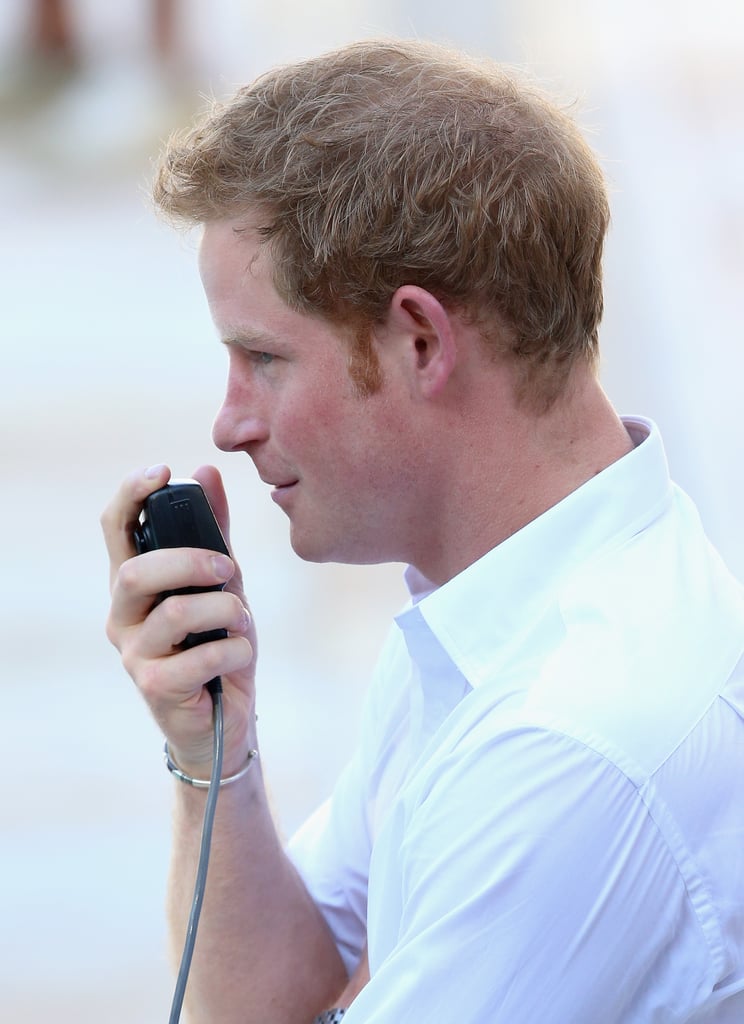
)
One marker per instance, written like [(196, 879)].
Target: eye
[(264, 358)]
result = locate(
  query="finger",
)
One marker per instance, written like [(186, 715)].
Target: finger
[(121, 515), (175, 690), (170, 622), (140, 580), (178, 679), (174, 687)]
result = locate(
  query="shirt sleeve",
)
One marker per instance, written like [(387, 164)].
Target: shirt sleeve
[(534, 886), (331, 853), (332, 849)]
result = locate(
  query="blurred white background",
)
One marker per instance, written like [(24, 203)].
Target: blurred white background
[(110, 362)]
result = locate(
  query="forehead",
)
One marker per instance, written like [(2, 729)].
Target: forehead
[(231, 248), (237, 275)]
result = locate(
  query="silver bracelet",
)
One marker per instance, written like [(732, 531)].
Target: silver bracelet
[(330, 1016), (173, 768)]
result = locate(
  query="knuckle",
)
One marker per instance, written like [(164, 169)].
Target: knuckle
[(174, 609), (149, 679), (129, 663), (106, 519), (212, 655), (195, 561), (111, 516), (128, 576), (112, 632)]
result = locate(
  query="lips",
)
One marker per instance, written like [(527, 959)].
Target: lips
[(277, 482), (280, 485), (282, 493)]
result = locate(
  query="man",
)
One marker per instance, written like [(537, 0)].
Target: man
[(544, 821)]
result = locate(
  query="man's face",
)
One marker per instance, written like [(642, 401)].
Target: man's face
[(339, 463)]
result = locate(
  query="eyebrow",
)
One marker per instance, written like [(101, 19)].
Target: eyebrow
[(247, 338)]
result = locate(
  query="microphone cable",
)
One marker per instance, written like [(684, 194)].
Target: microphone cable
[(215, 689)]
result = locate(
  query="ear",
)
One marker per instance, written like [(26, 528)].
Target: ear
[(424, 331)]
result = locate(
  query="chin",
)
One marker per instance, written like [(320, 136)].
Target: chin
[(312, 548), (326, 548)]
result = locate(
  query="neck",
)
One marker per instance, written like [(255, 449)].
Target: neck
[(522, 466)]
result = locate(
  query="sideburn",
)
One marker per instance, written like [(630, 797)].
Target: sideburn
[(364, 366)]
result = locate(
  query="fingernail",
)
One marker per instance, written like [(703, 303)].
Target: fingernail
[(222, 566), (152, 471)]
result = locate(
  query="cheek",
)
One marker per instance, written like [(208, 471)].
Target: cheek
[(363, 440), (307, 422), (319, 416)]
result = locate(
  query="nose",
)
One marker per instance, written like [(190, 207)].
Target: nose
[(239, 422)]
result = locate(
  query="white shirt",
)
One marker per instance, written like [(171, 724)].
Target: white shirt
[(544, 822)]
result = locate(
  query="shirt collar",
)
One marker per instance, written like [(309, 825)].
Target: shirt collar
[(481, 615)]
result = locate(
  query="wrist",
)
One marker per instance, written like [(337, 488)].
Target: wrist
[(195, 757), (203, 781)]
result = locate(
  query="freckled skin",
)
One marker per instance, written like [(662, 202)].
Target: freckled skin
[(292, 407)]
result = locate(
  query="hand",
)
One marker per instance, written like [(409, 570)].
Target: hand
[(148, 632)]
